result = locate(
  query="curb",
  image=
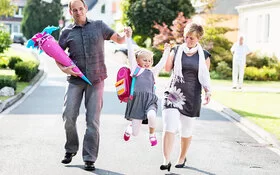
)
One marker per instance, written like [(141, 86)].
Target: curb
[(10, 101), (260, 132)]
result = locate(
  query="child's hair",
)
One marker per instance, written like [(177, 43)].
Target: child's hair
[(144, 53), (194, 28)]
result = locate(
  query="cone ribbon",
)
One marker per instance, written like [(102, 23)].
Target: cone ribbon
[(46, 42)]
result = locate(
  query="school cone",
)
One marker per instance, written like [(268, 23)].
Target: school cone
[(49, 45)]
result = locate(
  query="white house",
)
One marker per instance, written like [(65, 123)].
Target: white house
[(105, 10), (259, 23), (12, 23)]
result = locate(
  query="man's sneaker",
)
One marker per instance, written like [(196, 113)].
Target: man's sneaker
[(68, 158), (89, 166), (126, 136), (153, 140)]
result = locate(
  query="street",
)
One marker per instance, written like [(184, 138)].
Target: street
[(32, 137)]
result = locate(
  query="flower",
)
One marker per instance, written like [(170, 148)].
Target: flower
[(175, 98)]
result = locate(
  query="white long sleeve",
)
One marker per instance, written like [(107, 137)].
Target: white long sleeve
[(161, 63), (131, 55)]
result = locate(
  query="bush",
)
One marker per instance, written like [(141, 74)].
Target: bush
[(262, 74), (223, 70), (4, 40), (26, 70), (8, 80), (3, 62), (13, 61), (259, 60)]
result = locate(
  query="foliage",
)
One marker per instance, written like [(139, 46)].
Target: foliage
[(259, 60), (38, 14), (142, 14), (26, 70), (6, 8), (13, 61), (8, 80), (223, 70), (261, 74), (3, 62), (219, 46), (5, 39), (172, 35)]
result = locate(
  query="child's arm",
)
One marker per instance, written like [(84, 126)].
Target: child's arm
[(130, 49), (163, 59)]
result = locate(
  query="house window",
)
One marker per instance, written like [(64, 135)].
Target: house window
[(18, 12), (259, 28), (103, 9), (266, 27)]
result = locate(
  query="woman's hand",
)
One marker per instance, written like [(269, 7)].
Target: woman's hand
[(207, 98)]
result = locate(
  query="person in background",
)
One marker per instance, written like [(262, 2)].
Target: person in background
[(143, 105), (84, 39), (189, 64), (240, 51)]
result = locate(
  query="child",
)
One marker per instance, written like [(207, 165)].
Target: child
[(143, 105)]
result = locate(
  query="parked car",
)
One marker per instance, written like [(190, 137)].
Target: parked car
[(123, 47), (18, 38)]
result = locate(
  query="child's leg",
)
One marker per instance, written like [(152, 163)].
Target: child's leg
[(136, 125), (152, 126), (132, 129), (152, 121)]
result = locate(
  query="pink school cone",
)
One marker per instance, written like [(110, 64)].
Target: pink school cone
[(51, 48)]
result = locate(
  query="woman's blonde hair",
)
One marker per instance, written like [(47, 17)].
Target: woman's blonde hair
[(194, 28)]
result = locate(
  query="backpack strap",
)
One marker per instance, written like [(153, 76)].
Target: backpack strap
[(134, 75)]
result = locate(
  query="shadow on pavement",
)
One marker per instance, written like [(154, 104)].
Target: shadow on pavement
[(97, 171)]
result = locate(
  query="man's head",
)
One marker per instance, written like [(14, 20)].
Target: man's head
[(78, 9), (241, 39)]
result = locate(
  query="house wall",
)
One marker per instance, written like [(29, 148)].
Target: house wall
[(259, 23), (111, 13), (230, 21)]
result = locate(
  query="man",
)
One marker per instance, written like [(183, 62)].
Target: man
[(85, 42), (239, 50)]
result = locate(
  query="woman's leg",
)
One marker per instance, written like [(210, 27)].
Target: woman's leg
[(187, 126), (171, 120)]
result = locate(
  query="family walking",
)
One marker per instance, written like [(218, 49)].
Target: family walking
[(189, 64)]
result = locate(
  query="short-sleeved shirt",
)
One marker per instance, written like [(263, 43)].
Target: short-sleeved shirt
[(240, 51), (86, 48)]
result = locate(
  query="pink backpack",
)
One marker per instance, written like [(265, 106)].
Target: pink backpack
[(125, 83)]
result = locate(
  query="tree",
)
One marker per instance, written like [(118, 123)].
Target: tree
[(38, 14), (141, 14), (6, 8), (172, 35)]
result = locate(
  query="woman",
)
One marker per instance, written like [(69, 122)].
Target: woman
[(182, 102)]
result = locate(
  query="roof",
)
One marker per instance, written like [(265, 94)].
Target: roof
[(91, 3), (228, 6), (20, 3)]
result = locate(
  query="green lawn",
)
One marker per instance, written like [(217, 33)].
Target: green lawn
[(26, 56), (260, 107)]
